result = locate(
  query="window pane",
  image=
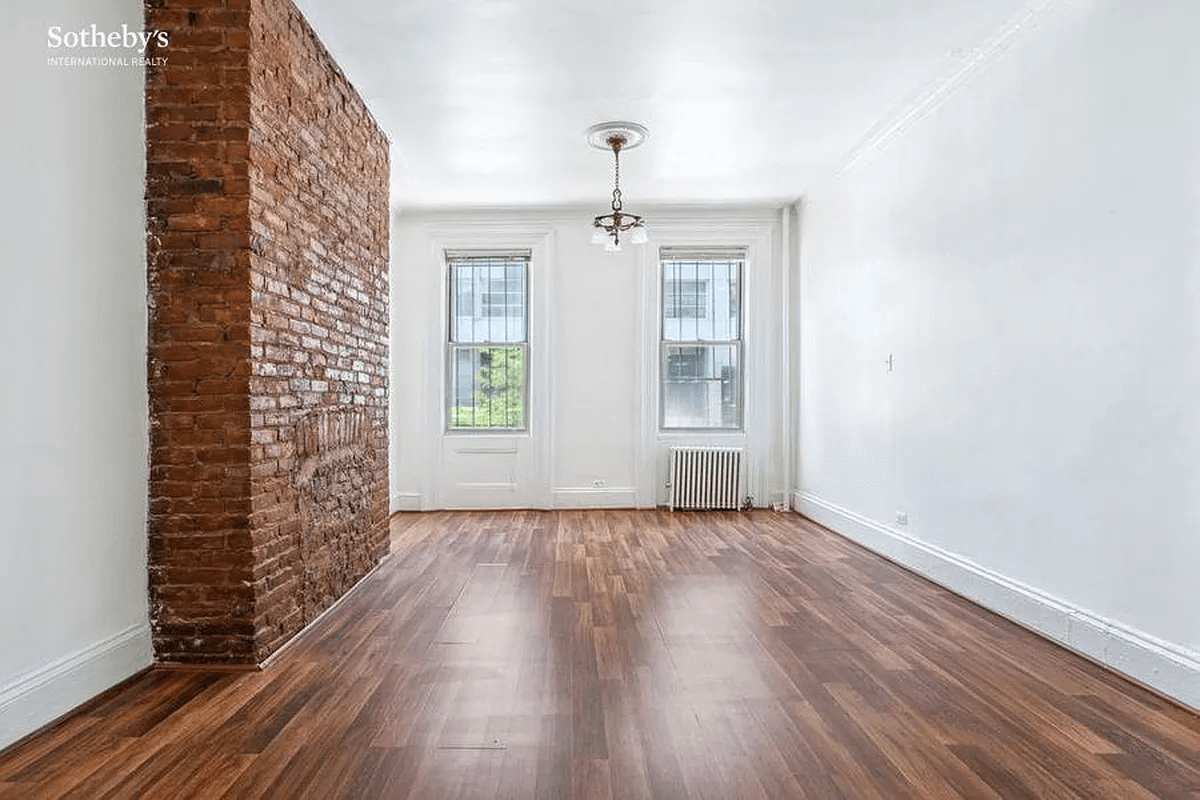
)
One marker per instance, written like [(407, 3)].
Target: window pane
[(488, 299), (701, 386), (701, 300), (487, 387)]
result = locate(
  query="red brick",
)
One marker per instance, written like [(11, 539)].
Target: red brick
[(251, 126)]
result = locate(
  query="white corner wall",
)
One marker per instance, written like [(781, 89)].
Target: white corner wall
[(73, 609), (594, 354), (1027, 248)]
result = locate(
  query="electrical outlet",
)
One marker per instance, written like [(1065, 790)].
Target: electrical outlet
[(599, 483), (901, 517)]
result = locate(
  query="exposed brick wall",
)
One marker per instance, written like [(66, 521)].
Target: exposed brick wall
[(318, 271), (198, 249), (267, 184)]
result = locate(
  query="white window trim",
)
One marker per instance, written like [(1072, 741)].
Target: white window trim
[(499, 236), (757, 231)]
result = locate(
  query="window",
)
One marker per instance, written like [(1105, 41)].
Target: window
[(489, 340), (701, 360)]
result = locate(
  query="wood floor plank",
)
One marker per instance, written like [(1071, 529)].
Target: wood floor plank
[(631, 655)]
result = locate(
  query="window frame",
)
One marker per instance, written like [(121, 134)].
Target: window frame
[(739, 256), (451, 259)]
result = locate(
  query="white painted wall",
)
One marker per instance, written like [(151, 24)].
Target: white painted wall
[(1028, 248), (594, 348), (73, 611)]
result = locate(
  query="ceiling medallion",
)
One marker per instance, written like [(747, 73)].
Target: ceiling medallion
[(607, 228)]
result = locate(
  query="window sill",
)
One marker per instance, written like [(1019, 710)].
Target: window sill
[(488, 433)]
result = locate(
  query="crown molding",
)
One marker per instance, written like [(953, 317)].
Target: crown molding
[(541, 216), (956, 69)]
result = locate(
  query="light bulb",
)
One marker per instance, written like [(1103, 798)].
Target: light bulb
[(598, 235), (612, 246), (639, 235)]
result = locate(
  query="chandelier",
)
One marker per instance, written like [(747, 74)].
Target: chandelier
[(607, 228)]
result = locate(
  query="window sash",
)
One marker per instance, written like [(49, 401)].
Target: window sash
[(488, 298), (713, 283), (466, 410), (712, 389)]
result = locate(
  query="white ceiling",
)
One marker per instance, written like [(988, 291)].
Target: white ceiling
[(486, 101)]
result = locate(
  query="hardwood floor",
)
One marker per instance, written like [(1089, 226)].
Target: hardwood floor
[(625, 654)]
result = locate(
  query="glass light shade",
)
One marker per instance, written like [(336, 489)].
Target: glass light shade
[(599, 236), (638, 235), (612, 246)]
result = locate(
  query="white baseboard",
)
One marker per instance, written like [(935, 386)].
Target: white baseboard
[(1161, 665), (50, 691), (561, 497), (595, 497), (407, 501)]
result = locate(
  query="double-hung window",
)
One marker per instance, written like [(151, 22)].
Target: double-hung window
[(487, 373), (701, 358)]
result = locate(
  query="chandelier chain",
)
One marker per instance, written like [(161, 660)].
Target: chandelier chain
[(616, 146)]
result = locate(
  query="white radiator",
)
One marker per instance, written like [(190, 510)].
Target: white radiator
[(706, 477)]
